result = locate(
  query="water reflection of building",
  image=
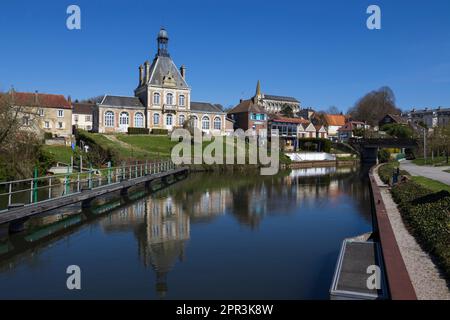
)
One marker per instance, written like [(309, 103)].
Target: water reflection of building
[(161, 228), (208, 204)]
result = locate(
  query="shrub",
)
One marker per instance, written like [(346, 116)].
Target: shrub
[(384, 155), (160, 131), (133, 130), (428, 216), (320, 144), (48, 135)]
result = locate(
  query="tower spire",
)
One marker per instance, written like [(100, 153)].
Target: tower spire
[(258, 90)]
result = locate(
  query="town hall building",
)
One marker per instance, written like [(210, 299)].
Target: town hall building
[(162, 100)]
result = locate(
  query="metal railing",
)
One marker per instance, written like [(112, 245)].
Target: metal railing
[(35, 190)]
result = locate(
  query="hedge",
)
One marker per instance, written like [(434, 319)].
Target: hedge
[(427, 215), (323, 145), (160, 131), (133, 130)]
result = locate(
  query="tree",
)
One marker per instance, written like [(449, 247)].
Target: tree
[(333, 110), (374, 106), (398, 130), (19, 144)]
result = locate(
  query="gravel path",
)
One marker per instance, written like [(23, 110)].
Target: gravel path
[(425, 276), (435, 173)]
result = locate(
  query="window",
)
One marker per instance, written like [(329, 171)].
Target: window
[(41, 112), (169, 99), (156, 118), (139, 120), (124, 118), (181, 100), (87, 118), (195, 121), (60, 125), (60, 113), (217, 123), (169, 120), (181, 119), (205, 123), (46, 125), (75, 117), (156, 97), (26, 121), (109, 119)]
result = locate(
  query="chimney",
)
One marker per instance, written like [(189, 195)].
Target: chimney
[(141, 75), (147, 71), (240, 100), (183, 72)]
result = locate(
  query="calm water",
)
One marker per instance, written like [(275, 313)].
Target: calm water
[(209, 236)]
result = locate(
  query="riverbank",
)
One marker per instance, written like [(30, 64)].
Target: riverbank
[(426, 278)]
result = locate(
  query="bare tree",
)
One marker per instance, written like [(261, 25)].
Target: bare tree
[(333, 110), (374, 106)]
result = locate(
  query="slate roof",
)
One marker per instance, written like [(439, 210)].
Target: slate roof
[(247, 106), (206, 107), (397, 118), (40, 99), (163, 66), (83, 108), (121, 102), (280, 98)]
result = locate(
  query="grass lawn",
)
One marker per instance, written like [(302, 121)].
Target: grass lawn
[(437, 161), (154, 145), (433, 185), (124, 152), (59, 153)]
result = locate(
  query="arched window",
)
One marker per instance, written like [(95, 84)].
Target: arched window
[(181, 119), (217, 123), (169, 99), (156, 118), (139, 120), (195, 121), (181, 100), (169, 120), (109, 119), (124, 118), (205, 123), (156, 97)]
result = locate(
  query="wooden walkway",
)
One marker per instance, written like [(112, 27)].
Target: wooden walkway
[(23, 212)]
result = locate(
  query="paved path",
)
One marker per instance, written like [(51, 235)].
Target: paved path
[(435, 173), (425, 276)]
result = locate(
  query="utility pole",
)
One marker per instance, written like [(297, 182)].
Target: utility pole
[(425, 145)]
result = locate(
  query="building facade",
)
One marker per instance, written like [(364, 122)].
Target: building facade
[(273, 104), (166, 96), (439, 117), (116, 114), (82, 115), (43, 113)]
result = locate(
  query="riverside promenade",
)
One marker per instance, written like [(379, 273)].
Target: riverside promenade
[(425, 276), (434, 173)]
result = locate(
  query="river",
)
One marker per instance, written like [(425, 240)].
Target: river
[(210, 236)]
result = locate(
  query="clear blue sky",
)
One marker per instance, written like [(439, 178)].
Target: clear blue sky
[(317, 51)]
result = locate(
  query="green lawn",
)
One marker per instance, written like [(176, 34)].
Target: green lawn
[(123, 151), (155, 146), (433, 185), (436, 161), (59, 153)]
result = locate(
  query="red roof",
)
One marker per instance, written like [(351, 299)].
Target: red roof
[(290, 120), (348, 127), (334, 119), (41, 100)]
